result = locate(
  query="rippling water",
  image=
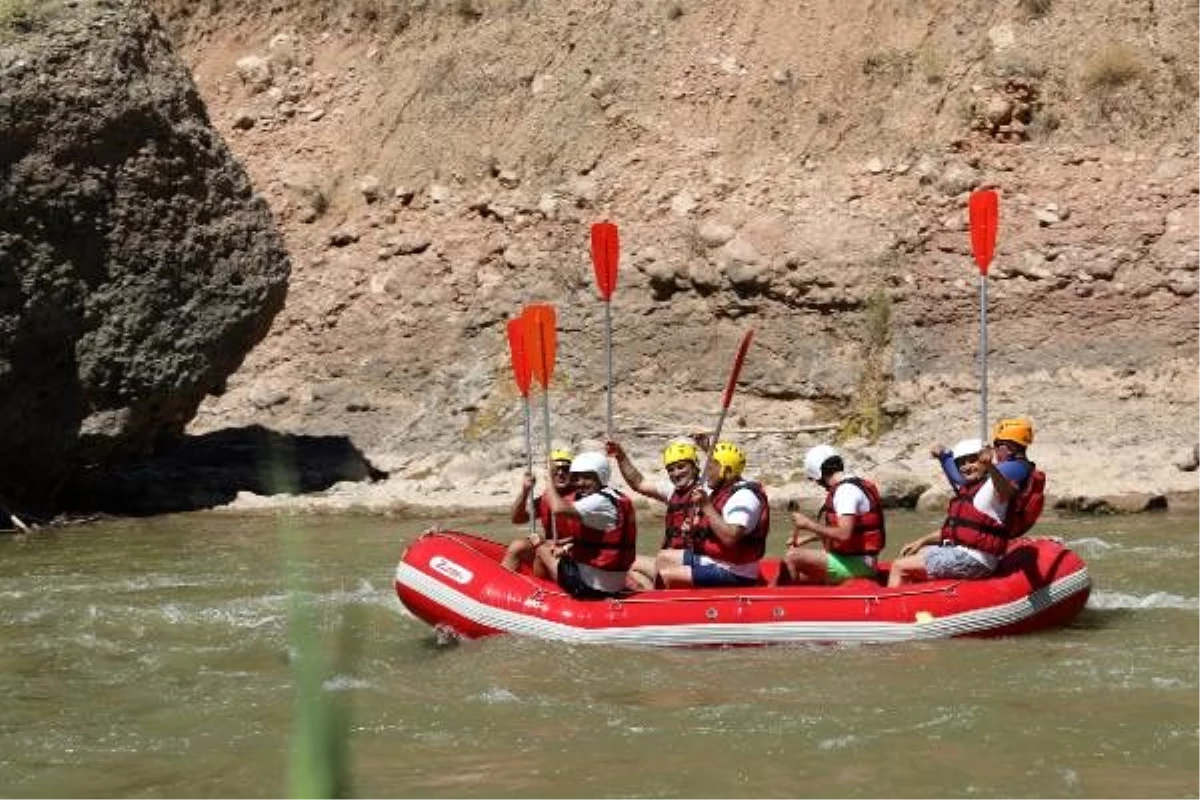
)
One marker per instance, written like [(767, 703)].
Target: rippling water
[(151, 658)]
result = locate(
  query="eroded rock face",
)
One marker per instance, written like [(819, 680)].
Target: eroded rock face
[(137, 266)]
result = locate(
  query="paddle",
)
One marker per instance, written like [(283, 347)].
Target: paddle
[(606, 252), (523, 374), (540, 339), (18, 523), (983, 209), (728, 397)]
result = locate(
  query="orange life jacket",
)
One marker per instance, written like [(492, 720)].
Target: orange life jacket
[(749, 547), (868, 535), (614, 548)]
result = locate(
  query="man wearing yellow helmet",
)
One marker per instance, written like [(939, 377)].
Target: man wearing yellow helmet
[(729, 537), (521, 550), (682, 462)]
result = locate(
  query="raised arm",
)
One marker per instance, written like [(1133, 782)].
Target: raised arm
[(946, 459), (632, 475), (556, 502), (520, 509), (1005, 489)]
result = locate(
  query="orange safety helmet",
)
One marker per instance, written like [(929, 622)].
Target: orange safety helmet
[(1014, 429)]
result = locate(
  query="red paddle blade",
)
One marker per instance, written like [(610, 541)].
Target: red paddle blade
[(983, 211), (540, 340), (737, 368), (606, 252), (520, 358)]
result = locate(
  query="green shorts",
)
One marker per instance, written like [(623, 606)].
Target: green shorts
[(842, 568)]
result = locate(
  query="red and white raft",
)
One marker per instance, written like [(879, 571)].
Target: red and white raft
[(454, 582)]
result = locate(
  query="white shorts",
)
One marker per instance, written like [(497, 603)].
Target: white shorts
[(956, 561)]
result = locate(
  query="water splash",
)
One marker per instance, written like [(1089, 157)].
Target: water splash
[(1108, 600)]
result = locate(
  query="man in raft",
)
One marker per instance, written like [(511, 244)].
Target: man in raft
[(593, 561), (849, 526), (729, 533), (998, 495), (682, 464), (521, 550)]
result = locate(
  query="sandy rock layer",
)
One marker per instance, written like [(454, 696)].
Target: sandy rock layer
[(801, 170)]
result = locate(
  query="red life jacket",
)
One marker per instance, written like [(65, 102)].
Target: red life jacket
[(868, 536), (749, 547), (967, 525), (1026, 507), (679, 521), (565, 527), (615, 548)]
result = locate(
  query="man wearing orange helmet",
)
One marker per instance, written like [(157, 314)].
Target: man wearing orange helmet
[(1011, 439), (729, 538), (998, 496)]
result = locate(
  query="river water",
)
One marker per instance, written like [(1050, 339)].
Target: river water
[(150, 658)]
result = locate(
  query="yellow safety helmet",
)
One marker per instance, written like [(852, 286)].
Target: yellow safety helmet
[(680, 450), (1014, 429), (562, 454), (730, 457)]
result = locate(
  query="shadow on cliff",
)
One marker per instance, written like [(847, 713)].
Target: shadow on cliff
[(198, 472)]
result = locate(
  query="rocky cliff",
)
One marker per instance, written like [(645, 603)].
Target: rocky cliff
[(137, 265), (798, 168)]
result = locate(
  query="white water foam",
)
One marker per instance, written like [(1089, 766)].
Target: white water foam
[(1154, 600), (1090, 546), (341, 683)]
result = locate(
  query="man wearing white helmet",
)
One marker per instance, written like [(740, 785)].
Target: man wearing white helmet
[(729, 537), (596, 561), (974, 535), (849, 525), (681, 461)]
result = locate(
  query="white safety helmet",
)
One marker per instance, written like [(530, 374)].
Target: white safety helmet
[(815, 458), (966, 447), (592, 462)]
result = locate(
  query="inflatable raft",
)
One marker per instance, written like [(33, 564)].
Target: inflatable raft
[(454, 582)]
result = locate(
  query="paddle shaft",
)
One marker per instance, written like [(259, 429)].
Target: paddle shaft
[(716, 437), (983, 359), (609, 349), (727, 398), (541, 326), (529, 504), (550, 476), (16, 521)]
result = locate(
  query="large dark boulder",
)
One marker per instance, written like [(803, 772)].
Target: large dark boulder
[(137, 266)]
